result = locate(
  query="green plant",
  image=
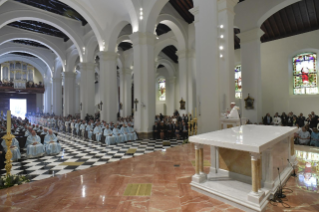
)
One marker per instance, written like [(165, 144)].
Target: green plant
[(311, 78), (12, 180)]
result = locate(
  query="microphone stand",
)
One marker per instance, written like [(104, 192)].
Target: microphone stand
[(293, 174), (280, 195)]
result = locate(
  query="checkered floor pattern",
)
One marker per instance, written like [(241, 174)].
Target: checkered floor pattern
[(77, 154)]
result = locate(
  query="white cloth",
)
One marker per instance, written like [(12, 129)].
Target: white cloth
[(233, 113)]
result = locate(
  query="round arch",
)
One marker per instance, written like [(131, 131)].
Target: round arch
[(123, 38), (153, 13), (161, 45), (7, 50), (168, 65), (33, 37), (115, 32), (21, 15), (176, 27)]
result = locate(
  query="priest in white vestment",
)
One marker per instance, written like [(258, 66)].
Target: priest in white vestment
[(110, 138), (118, 134), (234, 111), (98, 132), (52, 147), (34, 146)]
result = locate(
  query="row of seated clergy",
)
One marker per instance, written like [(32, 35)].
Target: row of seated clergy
[(169, 131), (35, 148)]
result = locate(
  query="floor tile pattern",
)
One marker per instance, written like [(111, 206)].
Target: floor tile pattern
[(78, 154)]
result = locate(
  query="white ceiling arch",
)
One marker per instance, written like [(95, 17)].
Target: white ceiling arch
[(168, 65), (176, 26), (41, 54), (162, 44), (7, 37), (10, 13)]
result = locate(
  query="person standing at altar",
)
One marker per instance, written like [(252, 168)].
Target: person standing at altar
[(34, 146), (233, 114), (52, 147), (15, 149), (98, 132), (110, 138)]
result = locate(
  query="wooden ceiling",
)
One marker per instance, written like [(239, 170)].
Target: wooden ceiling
[(298, 18), (30, 43)]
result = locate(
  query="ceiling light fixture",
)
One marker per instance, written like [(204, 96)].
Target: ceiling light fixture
[(222, 36), (221, 26), (221, 47)]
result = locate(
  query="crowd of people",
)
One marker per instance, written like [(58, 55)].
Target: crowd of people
[(91, 128), (171, 127), (29, 84), (307, 127)]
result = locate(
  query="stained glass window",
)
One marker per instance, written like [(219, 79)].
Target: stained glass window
[(238, 82), (161, 89), (305, 74)]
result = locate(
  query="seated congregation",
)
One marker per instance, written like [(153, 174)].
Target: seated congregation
[(307, 127)]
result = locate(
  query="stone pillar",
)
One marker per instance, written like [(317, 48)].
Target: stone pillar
[(170, 86), (39, 97), (48, 97), (199, 176), (226, 63), (144, 82), (57, 96), (254, 172), (87, 94), (191, 81), (108, 86), (68, 95), (207, 55), (127, 99), (122, 91), (77, 97), (251, 74), (183, 78)]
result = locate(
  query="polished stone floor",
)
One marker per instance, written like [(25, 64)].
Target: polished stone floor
[(163, 179)]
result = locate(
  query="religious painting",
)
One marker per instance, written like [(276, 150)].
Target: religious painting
[(161, 89), (249, 103), (238, 84), (182, 104), (305, 74)]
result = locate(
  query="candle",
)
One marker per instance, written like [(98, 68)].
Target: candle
[(8, 121)]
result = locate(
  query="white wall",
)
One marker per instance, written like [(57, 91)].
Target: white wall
[(277, 78), (37, 77)]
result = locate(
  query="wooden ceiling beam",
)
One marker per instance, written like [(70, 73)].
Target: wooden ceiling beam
[(284, 16)]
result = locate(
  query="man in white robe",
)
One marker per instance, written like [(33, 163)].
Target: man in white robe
[(67, 126), (126, 132), (110, 138), (34, 146), (72, 127), (28, 132), (83, 128), (98, 132), (234, 111), (52, 147), (89, 130), (77, 127), (132, 131), (118, 134)]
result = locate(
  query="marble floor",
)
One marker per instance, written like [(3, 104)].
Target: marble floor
[(153, 182)]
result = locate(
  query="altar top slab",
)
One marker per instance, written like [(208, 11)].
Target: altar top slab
[(250, 138)]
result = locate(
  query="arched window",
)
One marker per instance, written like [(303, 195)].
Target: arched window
[(305, 74), (238, 82), (161, 89)]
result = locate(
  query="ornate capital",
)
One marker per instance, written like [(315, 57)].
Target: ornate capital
[(87, 66), (250, 35)]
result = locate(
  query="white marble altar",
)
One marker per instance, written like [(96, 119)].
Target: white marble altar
[(246, 184)]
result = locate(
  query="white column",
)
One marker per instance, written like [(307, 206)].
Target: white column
[(48, 97), (57, 96), (122, 92), (183, 78), (108, 86), (87, 92), (68, 94), (170, 86), (127, 102), (226, 63), (207, 65), (77, 99), (191, 81), (144, 81), (251, 76)]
